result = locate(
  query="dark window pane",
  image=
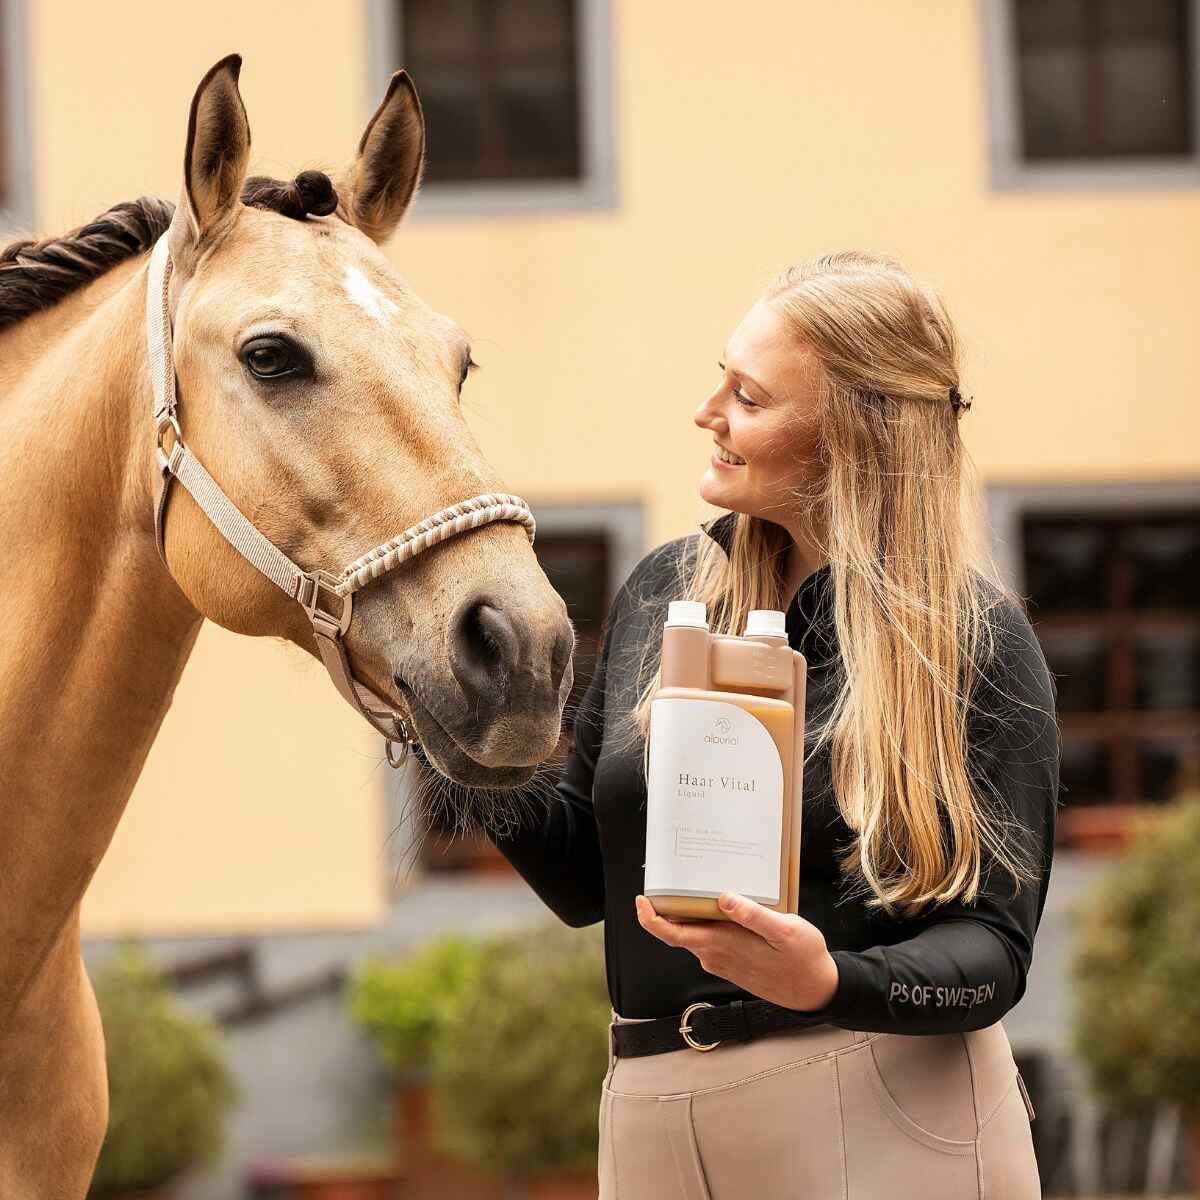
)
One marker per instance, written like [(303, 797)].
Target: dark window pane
[(1054, 101), (453, 132), (1159, 763), (1167, 669), (577, 568), (442, 29), (1084, 777), (1065, 565), (1078, 662), (1145, 99), (1104, 78), (537, 110), (1040, 22), (1141, 20), (1166, 563), (542, 27)]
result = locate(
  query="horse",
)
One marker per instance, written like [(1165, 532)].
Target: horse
[(322, 397)]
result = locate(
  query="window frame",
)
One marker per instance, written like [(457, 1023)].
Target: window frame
[(1011, 171), (16, 200), (1006, 505), (624, 524), (596, 186)]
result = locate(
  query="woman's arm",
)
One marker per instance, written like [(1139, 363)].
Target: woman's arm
[(967, 967)]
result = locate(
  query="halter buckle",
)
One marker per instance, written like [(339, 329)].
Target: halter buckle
[(167, 420), (308, 593)]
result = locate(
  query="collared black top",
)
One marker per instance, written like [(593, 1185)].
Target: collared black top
[(956, 967)]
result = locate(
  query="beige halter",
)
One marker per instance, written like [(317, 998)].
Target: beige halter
[(305, 587)]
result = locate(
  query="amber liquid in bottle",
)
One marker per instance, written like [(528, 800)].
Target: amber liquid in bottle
[(700, 750)]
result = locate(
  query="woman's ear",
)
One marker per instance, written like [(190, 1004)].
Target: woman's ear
[(375, 192), (214, 161)]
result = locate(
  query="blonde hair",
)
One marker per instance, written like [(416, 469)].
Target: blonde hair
[(887, 503)]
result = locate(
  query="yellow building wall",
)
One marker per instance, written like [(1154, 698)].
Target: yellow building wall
[(741, 144)]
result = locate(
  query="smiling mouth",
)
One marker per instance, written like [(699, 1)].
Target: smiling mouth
[(724, 458)]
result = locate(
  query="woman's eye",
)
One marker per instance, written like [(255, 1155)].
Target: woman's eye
[(745, 401), (269, 358)]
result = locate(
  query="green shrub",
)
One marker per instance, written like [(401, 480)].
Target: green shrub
[(400, 1001), (168, 1084), (520, 1056), (1136, 970)]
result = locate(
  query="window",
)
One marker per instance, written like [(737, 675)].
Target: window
[(516, 99), (1115, 600), (15, 190), (587, 552), (1093, 91)]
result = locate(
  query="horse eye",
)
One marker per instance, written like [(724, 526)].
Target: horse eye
[(269, 358)]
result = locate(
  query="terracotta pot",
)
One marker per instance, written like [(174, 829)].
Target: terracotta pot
[(428, 1174), (411, 1118), (353, 1186), (328, 1179), (563, 1185), (1106, 829)]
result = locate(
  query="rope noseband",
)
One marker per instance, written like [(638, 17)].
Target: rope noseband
[(305, 587)]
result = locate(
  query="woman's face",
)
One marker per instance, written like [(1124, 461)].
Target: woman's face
[(763, 412)]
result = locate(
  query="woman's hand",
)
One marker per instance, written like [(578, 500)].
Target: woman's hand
[(775, 956)]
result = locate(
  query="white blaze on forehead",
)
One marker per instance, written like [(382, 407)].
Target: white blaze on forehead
[(367, 296)]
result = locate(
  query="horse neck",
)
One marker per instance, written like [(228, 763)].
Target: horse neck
[(97, 631)]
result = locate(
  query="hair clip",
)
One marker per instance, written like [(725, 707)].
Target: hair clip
[(957, 402)]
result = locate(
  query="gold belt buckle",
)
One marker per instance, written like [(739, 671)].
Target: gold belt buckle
[(686, 1029)]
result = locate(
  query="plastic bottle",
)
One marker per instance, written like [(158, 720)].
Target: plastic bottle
[(725, 766)]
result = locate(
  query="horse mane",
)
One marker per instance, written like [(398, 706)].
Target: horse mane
[(36, 275)]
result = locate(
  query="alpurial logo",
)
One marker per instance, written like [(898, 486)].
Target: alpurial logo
[(721, 731)]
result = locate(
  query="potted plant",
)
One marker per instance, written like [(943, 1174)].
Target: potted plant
[(168, 1083), (1136, 969), (400, 1003), (519, 1059)]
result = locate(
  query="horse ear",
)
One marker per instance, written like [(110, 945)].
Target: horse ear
[(215, 161), (375, 192)]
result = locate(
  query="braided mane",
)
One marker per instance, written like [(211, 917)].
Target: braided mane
[(36, 275)]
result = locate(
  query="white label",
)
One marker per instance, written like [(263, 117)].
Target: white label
[(714, 806)]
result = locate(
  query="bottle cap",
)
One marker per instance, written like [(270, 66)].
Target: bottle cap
[(687, 612), (765, 622)]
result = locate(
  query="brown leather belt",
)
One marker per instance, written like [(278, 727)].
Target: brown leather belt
[(704, 1026)]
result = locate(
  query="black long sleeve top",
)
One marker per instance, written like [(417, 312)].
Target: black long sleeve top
[(954, 968)]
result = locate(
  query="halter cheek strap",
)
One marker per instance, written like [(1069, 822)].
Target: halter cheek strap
[(311, 589)]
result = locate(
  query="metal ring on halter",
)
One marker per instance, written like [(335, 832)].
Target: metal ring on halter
[(407, 743)]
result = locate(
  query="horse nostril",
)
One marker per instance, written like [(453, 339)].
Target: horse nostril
[(483, 646)]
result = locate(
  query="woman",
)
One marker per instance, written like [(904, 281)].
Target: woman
[(857, 1049)]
